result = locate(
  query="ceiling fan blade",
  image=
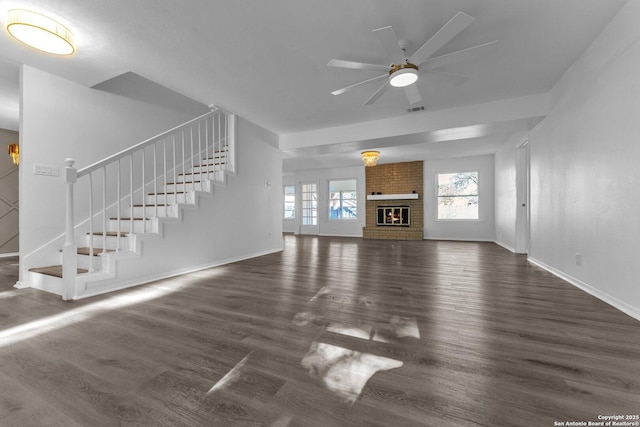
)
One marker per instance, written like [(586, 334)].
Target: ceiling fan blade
[(448, 78), (357, 65), (413, 94), (348, 88), (387, 37), (458, 56), (451, 29), (377, 94)]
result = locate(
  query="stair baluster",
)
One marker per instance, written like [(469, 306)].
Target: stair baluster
[(104, 211), (118, 198), (91, 248)]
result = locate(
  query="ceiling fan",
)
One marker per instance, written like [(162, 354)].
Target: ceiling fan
[(404, 71)]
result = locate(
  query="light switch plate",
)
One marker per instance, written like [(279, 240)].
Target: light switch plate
[(46, 170)]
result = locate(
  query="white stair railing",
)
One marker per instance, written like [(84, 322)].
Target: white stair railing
[(125, 177)]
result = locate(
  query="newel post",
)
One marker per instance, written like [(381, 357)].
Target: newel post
[(69, 249)]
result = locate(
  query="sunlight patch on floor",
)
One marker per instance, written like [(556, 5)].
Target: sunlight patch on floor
[(69, 317), (398, 327), (283, 421), (363, 332), (231, 376), (9, 294), (323, 291), (344, 372)]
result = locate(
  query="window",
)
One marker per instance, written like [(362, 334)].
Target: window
[(310, 204), (289, 202), (343, 199), (458, 196)]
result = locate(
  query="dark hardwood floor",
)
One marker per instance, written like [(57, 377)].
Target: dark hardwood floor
[(330, 332)]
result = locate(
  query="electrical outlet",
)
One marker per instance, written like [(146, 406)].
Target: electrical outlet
[(578, 260)]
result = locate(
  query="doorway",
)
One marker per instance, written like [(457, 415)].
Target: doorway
[(523, 209), (9, 197), (309, 208)]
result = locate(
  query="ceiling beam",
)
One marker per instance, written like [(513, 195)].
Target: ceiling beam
[(415, 125)]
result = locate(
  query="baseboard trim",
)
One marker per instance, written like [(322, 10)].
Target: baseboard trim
[(504, 245), (458, 239), (341, 235), (9, 254), (602, 296), (174, 273)]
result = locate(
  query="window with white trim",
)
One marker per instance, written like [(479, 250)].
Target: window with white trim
[(289, 202), (458, 196), (343, 199)]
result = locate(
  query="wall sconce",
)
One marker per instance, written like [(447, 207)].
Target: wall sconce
[(14, 152)]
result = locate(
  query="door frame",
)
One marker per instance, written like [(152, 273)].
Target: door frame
[(309, 229), (523, 198)]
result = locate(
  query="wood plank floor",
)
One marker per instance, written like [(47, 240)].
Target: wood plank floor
[(330, 332)]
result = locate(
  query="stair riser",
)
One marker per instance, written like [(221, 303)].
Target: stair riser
[(204, 169), (150, 211), (211, 176), (83, 262), (171, 198), (194, 177), (217, 161), (189, 186), (112, 242), (45, 282), (139, 226)]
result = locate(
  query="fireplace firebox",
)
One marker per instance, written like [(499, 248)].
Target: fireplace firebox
[(394, 216)]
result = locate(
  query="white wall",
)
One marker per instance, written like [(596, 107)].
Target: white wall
[(62, 119), (584, 166), (481, 230), (506, 191), (326, 227)]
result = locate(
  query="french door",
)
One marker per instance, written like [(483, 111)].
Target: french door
[(309, 208)]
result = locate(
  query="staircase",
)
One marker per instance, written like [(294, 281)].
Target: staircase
[(127, 199)]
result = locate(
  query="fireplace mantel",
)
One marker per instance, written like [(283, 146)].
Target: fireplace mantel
[(392, 196)]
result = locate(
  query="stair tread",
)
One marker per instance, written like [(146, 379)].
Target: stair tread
[(96, 251), (152, 204), (193, 173), (162, 194), (180, 183), (109, 233), (135, 218), (54, 270)]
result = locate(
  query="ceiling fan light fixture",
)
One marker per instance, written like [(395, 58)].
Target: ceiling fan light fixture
[(370, 158), (40, 32), (403, 75)]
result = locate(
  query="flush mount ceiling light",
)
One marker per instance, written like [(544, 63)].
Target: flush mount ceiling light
[(40, 32), (403, 75), (370, 158)]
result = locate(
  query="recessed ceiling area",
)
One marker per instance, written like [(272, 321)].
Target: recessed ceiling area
[(267, 61)]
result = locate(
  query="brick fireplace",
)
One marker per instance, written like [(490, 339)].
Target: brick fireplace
[(394, 209)]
